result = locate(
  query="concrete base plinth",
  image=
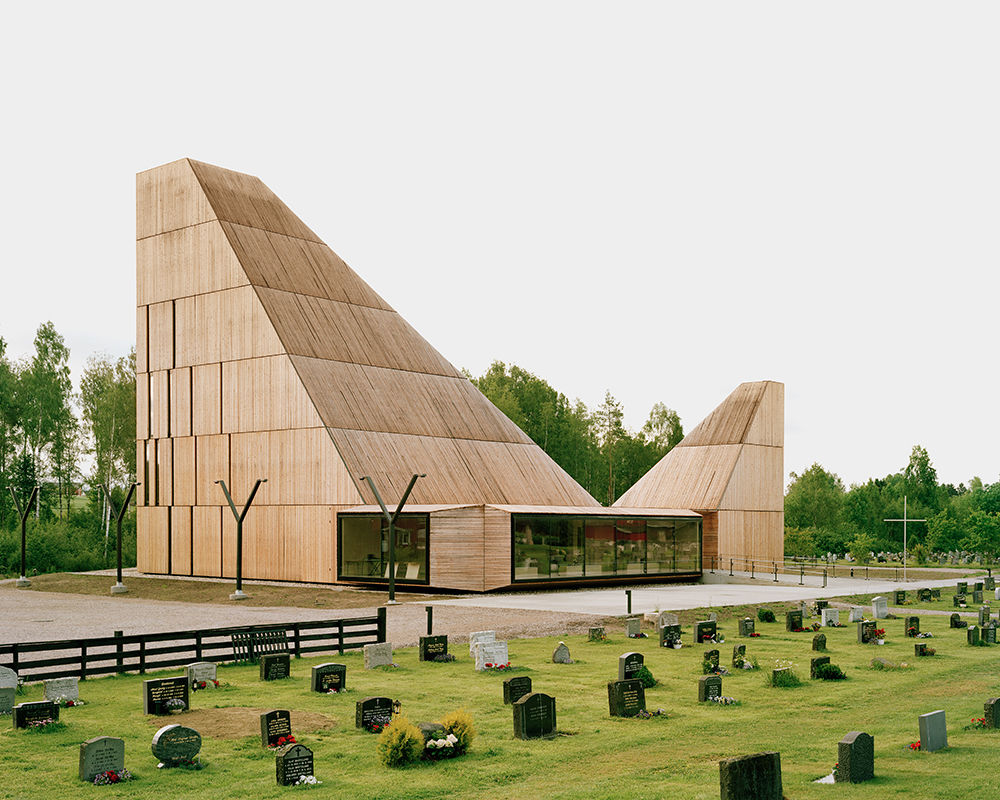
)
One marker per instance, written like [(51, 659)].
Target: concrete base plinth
[(119, 588), (22, 583), (239, 595)]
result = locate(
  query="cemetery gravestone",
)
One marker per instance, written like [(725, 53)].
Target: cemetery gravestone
[(176, 744), (667, 618), (900, 597), (41, 711), (709, 686), (747, 626), (856, 614), (991, 712), (935, 594), (330, 677), (793, 621), (972, 635), (628, 665), (919, 649), (713, 617), (955, 621), (561, 654), (57, 689), (757, 777), (804, 609), (516, 688), (476, 638), (430, 647), (275, 666), (815, 663), (989, 633), (831, 617), (712, 657), (924, 596), (626, 698), (961, 587), (291, 763), (534, 716), (984, 618), (933, 733), (866, 632), (819, 642), (491, 653), (705, 630), (911, 626), (996, 594), (201, 672), (957, 600), (159, 691), (821, 604), (7, 700), (378, 655), (373, 713), (633, 627), (595, 635), (855, 758), (8, 678), (977, 586), (977, 596), (275, 725), (670, 635), (880, 607), (739, 655), (101, 754), (989, 583)]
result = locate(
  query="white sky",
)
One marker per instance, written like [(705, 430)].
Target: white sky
[(660, 199)]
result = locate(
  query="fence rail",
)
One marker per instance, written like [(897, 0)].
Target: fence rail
[(147, 651), (805, 567)]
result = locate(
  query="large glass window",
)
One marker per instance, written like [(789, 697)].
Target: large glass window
[(552, 547), (363, 547)]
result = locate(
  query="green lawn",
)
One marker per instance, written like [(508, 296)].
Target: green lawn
[(944, 604), (599, 757)]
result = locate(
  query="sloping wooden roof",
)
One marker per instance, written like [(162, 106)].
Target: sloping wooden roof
[(392, 404), (731, 459)]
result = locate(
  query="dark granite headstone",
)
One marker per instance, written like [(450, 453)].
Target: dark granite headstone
[(984, 617), (793, 620), (291, 763), (26, 713), (516, 688), (866, 632), (628, 665), (972, 634), (705, 630), (739, 655), (670, 635), (924, 595), (919, 649), (956, 621), (821, 604), (977, 586), (431, 646), (756, 777), (747, 626), (977, 596), (373, 713), (712, 657), (709, 686), (855, 758), (158, 691), (329, 677), (989, 583), (962, 587), (911, 626), (101, 754), (899, 597), (935, 593), (275, 725), (176, 744), (957, 600), (819, 642), (274, 666), (991, 712), (989, 633), (626, 698), (815, 663), (534, 716)]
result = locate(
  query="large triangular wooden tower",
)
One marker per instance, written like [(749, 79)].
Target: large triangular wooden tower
[(730, 470), (260, 353)]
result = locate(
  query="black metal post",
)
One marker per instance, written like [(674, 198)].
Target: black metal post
[(751, 571), (379, 624), (628, 600), (802, 572), (730, 568), (240, 516), (119, 588), (775, 571), (23, 582), (430, 620), (391, 519), (824, 579)]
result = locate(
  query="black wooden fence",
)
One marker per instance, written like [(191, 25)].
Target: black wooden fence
[(34, 661)]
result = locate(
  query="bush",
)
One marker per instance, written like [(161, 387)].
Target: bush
[(830, 672), (765, 615), (645, 677), (400, 743), (459, 724), (783, 677)]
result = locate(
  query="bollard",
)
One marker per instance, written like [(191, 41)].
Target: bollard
[(802, 572), (713, 565), (866, 573), (824, 579), (430, 620), (730, 568), (775, 573), (751, 572), (628, 599)]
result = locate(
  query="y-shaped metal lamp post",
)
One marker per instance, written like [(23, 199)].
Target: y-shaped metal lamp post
[(240, 515)]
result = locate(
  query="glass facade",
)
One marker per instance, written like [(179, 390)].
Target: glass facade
[(551, 547), (363, 547)]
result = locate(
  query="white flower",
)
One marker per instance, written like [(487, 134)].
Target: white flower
[(452, 738)]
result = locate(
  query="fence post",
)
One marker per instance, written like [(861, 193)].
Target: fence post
[(713, 565), (802, 572), (119, 653), (730, 568), (297, 633), (628, 601), (83, 662), (775, 571), (14, 657), (142, 656), (381, 624), (752, 577), (824, 579), (340, 636), (430, 620), (866, 572)]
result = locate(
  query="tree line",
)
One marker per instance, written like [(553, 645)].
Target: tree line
[(61, 438), (821, 516)]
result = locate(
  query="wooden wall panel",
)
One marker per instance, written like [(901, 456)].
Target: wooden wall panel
[(496, 549), (686, 477), (169, 197), (165, 472), (161, 336), (206, 399), (756, 483), (142, 339), (223, 326), (206, 540), (142, 405), (186, 262), (184, 471), (211, 465), (152, 540), (159, 404), (180, 540), (142, 490), (180, 402), (768, 426), (752, 534), (729, 421), (265, 394), (301, 466), (296, 543), (709, 538), (457, 549)]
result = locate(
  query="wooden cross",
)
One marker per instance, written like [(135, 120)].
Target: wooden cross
[(904, 520)]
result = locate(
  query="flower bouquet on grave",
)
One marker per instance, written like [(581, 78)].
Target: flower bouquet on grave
[(499, 667), (724, 701), (924, 635), (443, 658), (282, 742), (710, 668), (816, 626), (713, 638), (879, 636), (639, 635), (112, 776), (65, 702), (436, 749), (196, 685), (46, 725), (977, 723), (644, 714), (175, 705), (753, 635), (307, 780), (915, 745)]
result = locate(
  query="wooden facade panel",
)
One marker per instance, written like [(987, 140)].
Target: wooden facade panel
[(167, 198), (180, 540), (756, 483), (302, 466), (768, 425), (186, 262), (206, 540), (686, 477), (142, 339), (164, 472), (142, 490), (729, 422), (295, 543), (206, 399), (161, 336), (152, 539), (142, 405), (184, 471), (457, 549), (496, 549), (752, 534), (180, 402), (223, 326), (709, 538), (262, 394), (159, 404), (211, 465)]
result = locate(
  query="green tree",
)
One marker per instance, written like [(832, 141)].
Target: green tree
[(608, 418), (9, 423), (920, 480), (983, 534), (663, 430), (944, 530), (815, 499), (861, 547)]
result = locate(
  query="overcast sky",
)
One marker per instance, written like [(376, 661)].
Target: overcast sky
[(659, 199)]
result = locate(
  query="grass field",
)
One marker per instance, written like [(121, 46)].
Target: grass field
[(596, 757)]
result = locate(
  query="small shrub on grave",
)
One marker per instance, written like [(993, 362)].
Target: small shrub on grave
[(400, 743), (459, 724), (646, 677), (977, 723), (783, 676), (765, 615), (830, 672)]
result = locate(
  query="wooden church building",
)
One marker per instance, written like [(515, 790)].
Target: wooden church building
[(261, 354)]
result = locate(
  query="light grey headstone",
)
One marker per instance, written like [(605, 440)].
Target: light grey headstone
[(561, 654), (101, 754), (831, 617), (201, 671), (633, 626), (491, 653), (880, 608), (713, 617), (804, 608), (667, 618), (480, 636), (996, 594), (8, 678), (933, 733), (378, 655), (7, 700), (56, 688), (857, 614)]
